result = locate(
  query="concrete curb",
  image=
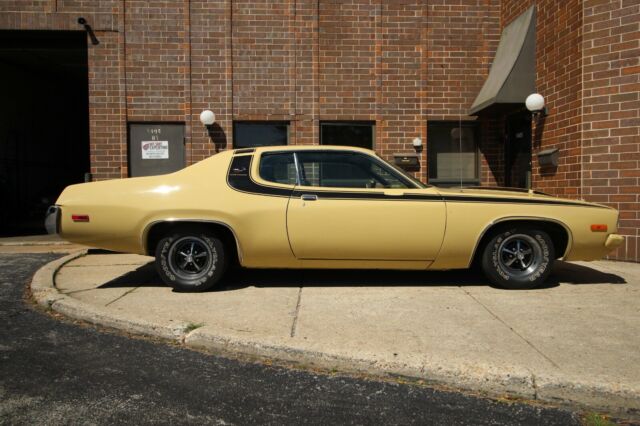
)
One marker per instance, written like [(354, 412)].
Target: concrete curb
[(481, 379), (485, 379), (47, 295), (42, 284), (34, 243)]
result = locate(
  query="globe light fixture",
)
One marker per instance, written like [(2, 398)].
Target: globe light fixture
[(535, 104), (207, 117), (417, 143)]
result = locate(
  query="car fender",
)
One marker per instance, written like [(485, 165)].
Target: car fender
[(173, 219), (503, 219)]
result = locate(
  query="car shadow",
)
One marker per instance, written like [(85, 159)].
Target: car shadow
[(235, 279), (572, 273)]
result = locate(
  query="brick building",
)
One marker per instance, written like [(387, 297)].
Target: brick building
[(376, 73)]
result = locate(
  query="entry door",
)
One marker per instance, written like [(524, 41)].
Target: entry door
[(518, 151), (342, 211), (155, 149)]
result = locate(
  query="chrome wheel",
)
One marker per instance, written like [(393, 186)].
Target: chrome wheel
[(519, 254), (190, 258)]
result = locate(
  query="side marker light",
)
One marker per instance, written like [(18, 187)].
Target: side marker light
[(80, 217)]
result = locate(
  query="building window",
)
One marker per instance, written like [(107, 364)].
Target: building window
[(348, 133), (249, 134), (452, 150)]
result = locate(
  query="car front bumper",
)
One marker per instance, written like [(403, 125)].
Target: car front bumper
[(613, 241)]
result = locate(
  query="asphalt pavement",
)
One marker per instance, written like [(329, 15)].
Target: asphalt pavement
[(53, 371)]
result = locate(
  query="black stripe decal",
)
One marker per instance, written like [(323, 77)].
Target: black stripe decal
[(346, 195), (473, 199), (244, 150), (239, 178)]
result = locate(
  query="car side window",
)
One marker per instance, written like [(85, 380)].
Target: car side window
[(346, 170), (278, 167)]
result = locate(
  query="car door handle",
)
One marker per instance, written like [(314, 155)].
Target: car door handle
[(309, 197)]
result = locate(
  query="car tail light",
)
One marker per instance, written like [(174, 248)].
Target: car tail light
[(80, 217), (598, 228)]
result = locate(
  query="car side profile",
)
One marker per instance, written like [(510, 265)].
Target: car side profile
[(327, 207)]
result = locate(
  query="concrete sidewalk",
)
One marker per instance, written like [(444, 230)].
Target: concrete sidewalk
[(576, 341)]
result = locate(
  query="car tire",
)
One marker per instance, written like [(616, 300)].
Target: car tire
[(518, 258), (191, 259)]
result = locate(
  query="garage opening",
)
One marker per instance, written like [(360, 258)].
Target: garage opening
[(44, 123)]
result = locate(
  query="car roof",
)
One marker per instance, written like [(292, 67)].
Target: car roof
[(281, 148)]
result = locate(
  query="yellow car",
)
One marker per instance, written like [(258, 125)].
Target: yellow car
[(327, 207)]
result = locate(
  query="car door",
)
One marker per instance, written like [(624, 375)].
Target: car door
[(352, 206), (262, 184)]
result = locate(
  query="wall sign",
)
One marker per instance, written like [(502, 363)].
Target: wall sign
[(155, 150)]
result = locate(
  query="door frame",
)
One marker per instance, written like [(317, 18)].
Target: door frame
[(509, 148)]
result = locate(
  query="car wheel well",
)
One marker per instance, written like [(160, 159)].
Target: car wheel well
[(558, 234), (161, 229)]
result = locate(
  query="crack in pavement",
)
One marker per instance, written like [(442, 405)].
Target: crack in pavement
[(512, 329), (102, 265), (294, 325), (121, 296), (77, 291)]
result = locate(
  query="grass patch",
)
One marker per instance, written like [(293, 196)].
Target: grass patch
[(192, 326), (595, 419)]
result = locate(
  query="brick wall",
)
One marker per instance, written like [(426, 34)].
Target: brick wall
[(611, 105), (347, 59), (303, 61), (262, 59), (107, 109), (156, 60), (401, 54), (588, 70), (397, 63), (462, 39), (558, 67), (211, 75)]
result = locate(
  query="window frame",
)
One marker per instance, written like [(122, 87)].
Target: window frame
[(270, 182), (398, 174), (372, 124), (410, 184), (264, 122), (451, 124)]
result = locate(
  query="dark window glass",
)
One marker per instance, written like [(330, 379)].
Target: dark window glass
[(452, 153), (260, 133), (278, 167), (347, 170), (347, 134)]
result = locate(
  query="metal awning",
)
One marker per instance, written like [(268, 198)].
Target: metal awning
[(513, 73)]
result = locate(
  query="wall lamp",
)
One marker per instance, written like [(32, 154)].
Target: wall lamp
[(207, 118), (89, 30), (535, 104), (417, 144)]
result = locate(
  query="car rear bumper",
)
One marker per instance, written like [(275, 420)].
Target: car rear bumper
[(52, 220), (613, 241)]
